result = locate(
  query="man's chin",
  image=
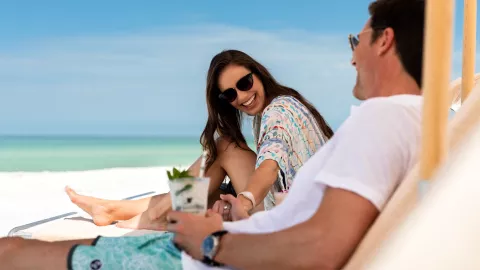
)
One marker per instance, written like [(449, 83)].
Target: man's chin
[(357, 94)]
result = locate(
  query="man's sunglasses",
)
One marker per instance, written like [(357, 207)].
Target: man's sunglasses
[(244, 84), (353, 40)]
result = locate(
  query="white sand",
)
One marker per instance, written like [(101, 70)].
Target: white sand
[(27, 197)]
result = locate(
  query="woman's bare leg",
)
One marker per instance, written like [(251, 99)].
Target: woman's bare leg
[(104, 212), (238, 163), (151, 218), (232, 160)]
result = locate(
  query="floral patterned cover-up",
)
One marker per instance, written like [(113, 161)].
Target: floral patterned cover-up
[(287, 133)]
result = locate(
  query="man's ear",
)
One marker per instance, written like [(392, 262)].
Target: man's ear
[(385, 41)]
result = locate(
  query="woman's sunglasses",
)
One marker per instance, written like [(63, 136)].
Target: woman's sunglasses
[(244, 84)]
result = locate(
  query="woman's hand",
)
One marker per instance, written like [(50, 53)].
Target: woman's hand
[(230, 208)]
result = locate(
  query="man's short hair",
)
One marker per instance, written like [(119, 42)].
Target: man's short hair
[(407, 19)]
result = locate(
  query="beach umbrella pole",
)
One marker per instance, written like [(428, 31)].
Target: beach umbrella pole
[(469, 47), (437, 62)]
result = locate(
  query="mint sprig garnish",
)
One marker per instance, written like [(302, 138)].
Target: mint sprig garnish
[(176, 174)]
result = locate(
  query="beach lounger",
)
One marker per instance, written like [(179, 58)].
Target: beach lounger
[(71, 226), (404, 200), (442, 231)]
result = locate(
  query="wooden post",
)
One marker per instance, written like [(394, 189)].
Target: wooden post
[(469, 46), (437, 62)]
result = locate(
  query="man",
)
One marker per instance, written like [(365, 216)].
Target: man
[(335, 197)]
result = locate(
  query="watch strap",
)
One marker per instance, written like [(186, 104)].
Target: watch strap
[(206, 259)]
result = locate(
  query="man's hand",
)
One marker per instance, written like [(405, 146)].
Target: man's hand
[(234, 210), (190, 230)]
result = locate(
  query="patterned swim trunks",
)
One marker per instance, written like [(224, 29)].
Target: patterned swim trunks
[(152, 251)]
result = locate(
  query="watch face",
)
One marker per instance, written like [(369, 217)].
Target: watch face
[(207, 246)]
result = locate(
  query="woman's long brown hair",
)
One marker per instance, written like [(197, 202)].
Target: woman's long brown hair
[(224, 118)]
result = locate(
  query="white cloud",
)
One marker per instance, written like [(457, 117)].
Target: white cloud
[(153, 82)]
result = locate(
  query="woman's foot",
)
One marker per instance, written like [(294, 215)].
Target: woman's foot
[(98, 209)]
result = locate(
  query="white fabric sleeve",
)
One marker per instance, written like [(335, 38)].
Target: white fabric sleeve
[(373, 152)]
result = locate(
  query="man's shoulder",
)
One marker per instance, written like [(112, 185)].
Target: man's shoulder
[(385, 113), (396, 102)]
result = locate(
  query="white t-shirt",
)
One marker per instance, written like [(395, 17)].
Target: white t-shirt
[(369, 155)]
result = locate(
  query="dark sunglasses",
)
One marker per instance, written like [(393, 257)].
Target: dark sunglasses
[(353, 40), (244, 84)]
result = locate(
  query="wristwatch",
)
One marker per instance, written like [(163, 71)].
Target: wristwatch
[(210, 248)]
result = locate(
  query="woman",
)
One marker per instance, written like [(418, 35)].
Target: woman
[(288, 131)]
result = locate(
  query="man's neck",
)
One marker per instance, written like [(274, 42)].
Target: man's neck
[(395, 81)]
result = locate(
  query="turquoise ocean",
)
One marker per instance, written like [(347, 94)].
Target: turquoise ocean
[(78, 153)]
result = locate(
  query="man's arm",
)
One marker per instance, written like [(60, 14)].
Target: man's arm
[(325, 241)]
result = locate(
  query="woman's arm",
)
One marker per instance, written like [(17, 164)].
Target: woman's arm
[(275, 147), (260, 183)]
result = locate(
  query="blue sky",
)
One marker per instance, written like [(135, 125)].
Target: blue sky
[(138, 67)]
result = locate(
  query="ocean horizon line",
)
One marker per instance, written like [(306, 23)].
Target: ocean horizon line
[(117, 168), (107, 136), (81, 152)]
